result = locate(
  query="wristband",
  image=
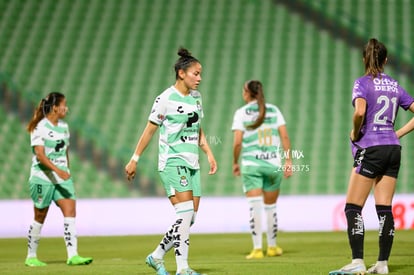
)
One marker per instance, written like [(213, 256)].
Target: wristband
[(135, 157)]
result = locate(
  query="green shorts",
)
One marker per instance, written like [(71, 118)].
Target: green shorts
[(43, 194), (181, 179), (265, 178)]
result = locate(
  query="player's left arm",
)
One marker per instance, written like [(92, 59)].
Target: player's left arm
[(67, 156), (207, 150), (408, 127), (358, 118), (284, 138)]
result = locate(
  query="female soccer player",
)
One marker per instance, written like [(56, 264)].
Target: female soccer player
[(259, 130), (177, 112), (50, 178), (377, 153)]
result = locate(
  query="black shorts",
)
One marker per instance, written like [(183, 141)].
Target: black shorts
[(382, 160)]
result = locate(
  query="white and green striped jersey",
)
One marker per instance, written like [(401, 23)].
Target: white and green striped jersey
[(261, 146), (179, 119), (55, 140)]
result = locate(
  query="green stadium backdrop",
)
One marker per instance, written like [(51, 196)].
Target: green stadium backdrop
[(112, 57)]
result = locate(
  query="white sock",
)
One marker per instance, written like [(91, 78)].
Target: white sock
[(255, 208), (167, 241), (181, 234), (271, 215), (70, 236), (165, 245), (33, 238), (193, 218)]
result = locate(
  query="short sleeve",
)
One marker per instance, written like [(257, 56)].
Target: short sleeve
[(238, 121), (358, 91), (158, 111), (405, 99), (36, 137), (280, 121)]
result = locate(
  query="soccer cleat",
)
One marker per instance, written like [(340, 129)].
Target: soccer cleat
[(34, 262), (189, 271), (255, 254), (157, 265), (274, 251), (356, 267), (380, 267), (78, 260)]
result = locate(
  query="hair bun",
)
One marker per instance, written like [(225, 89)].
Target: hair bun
[(183, 52)]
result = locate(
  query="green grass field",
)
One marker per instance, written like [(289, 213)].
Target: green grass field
[(304, 253)]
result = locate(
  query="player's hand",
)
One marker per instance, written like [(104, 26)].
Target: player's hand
[(62, 174), (354, 137), (213, 165), (236, 169), (287, 172), (130, 170)]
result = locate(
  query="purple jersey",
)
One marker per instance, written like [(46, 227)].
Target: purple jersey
[(383, 97)]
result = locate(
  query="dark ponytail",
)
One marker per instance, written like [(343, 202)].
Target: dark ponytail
[(375, 55), (255, 89), (45, 106), (184, 62)]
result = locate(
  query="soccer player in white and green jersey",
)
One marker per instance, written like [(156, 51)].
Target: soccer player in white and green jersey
[(259, 131), (177, 112), (50, 178)]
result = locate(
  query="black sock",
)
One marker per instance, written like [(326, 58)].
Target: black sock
[(386, 231), (356, 230)]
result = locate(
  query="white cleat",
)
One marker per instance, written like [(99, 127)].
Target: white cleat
[(380, 267)]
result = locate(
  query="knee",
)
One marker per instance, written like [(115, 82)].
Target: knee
[(40, 215)]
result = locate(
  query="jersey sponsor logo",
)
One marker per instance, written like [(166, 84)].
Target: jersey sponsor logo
[(385, 85), (59, 145), (268, 155), (180, 109), (50, 134), (187, 138), (192, 118)]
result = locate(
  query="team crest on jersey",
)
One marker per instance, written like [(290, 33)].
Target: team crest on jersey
[(160, 117), (198, 105), (183, 181)]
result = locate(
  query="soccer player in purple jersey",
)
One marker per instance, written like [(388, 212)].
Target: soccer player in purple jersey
[(377, 153)]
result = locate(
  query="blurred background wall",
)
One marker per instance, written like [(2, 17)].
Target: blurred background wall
[(112, 57)]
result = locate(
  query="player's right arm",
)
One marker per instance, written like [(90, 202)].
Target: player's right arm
[(143, 142), (238, 130)]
